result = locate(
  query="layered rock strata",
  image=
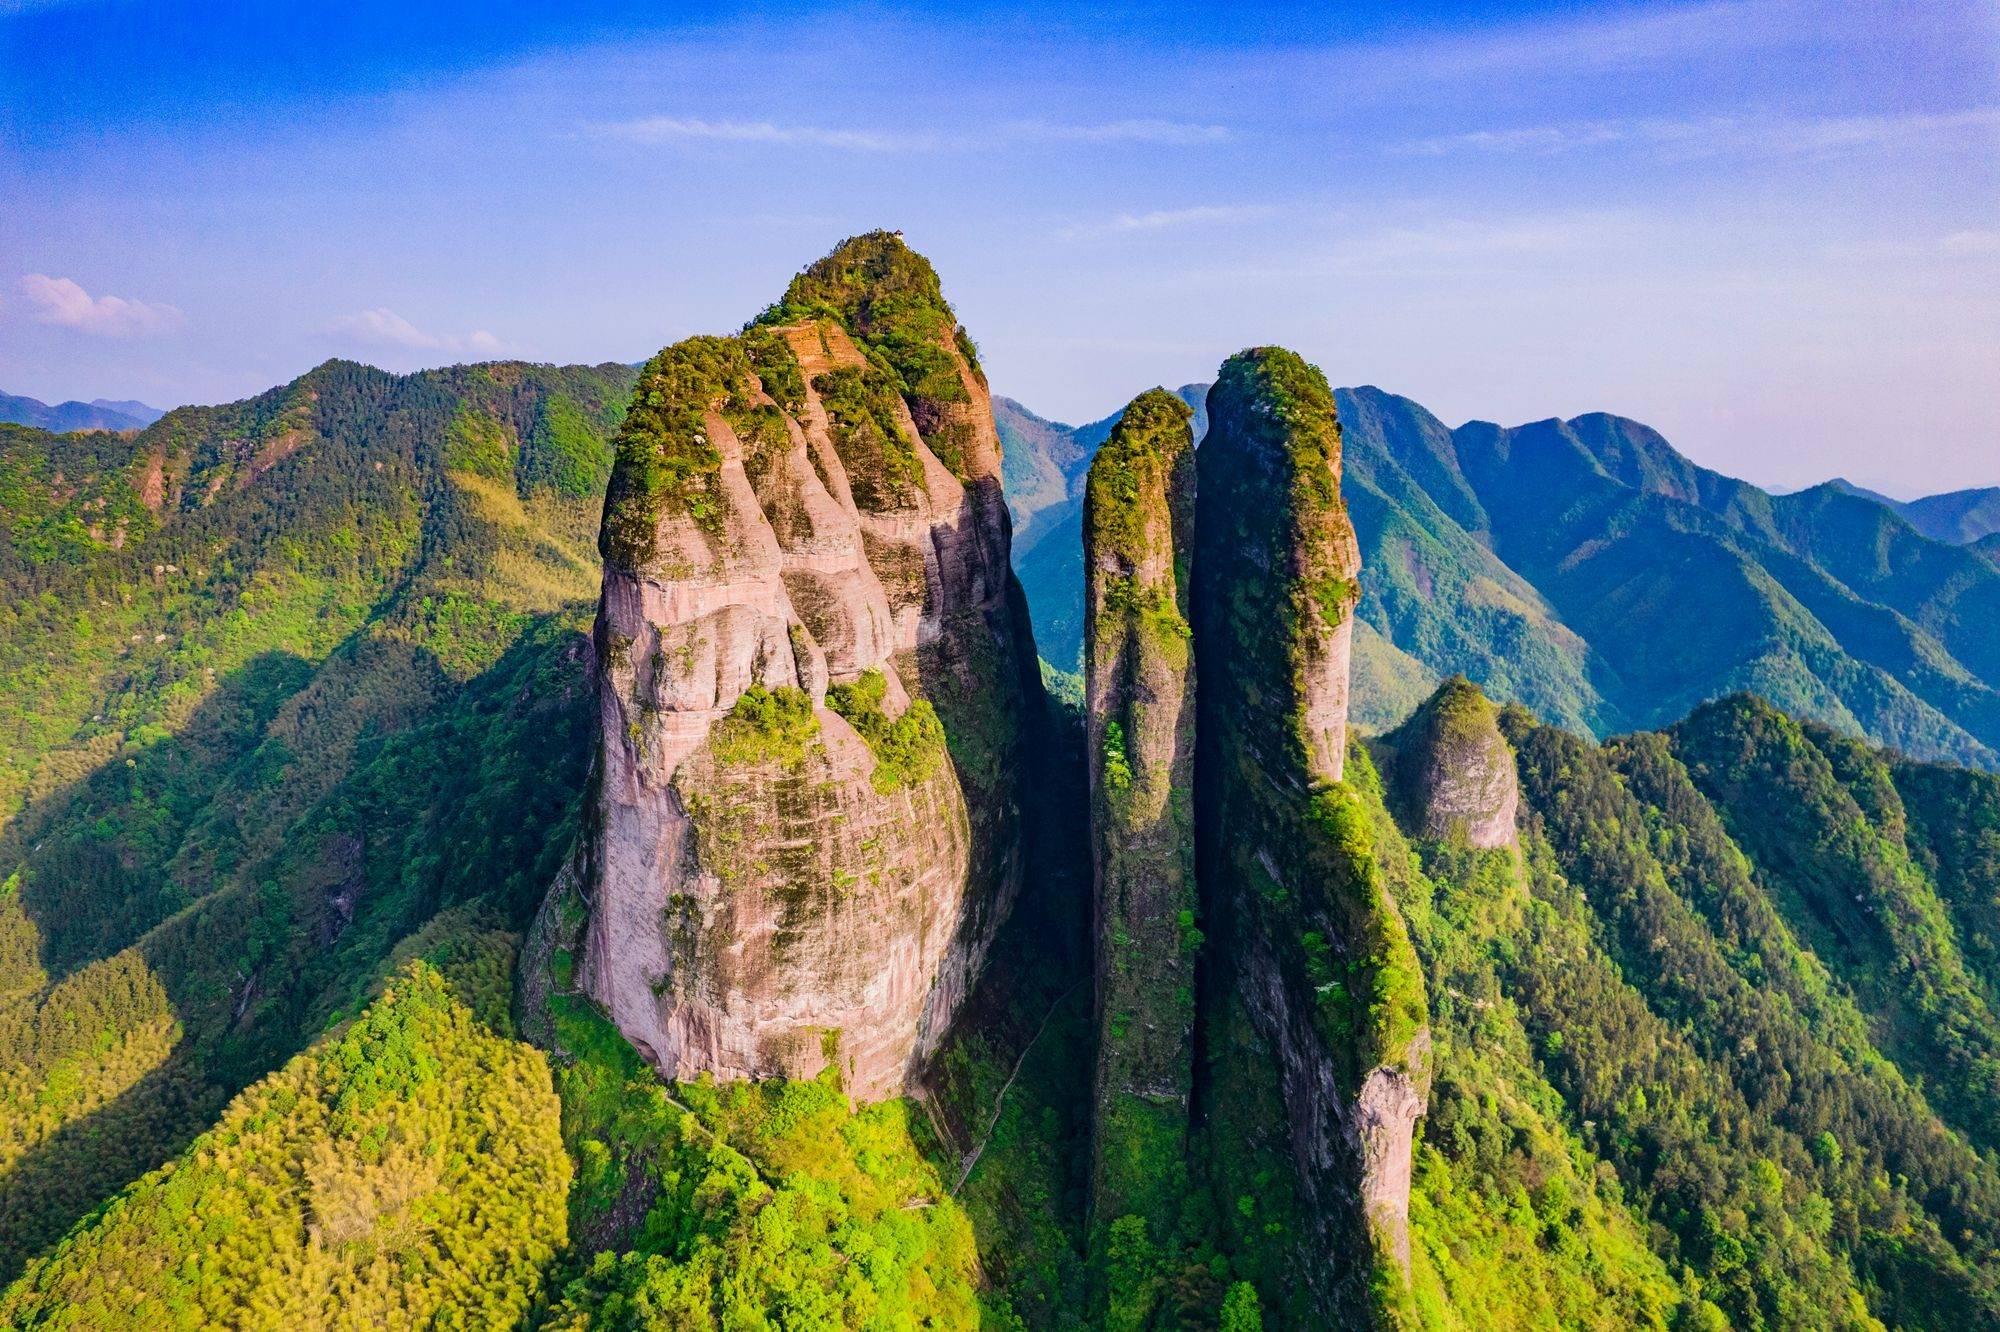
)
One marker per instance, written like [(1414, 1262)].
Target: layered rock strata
[(1138, 533), (1305, 934), (812, 665)]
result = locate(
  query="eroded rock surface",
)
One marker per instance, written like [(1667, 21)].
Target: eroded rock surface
[(812, 674), (1454, 769)]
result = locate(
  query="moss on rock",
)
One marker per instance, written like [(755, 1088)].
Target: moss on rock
[(1139, 684), (907, 750)]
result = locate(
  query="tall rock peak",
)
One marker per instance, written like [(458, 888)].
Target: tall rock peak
[(1139, 690), (1454, 770), (1289, 557), (813, 669), (1306, 937)]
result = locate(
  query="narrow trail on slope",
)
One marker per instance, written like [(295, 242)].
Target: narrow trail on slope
[(1000, 1100)]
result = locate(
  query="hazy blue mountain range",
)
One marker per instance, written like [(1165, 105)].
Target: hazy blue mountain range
[(1957, 517), (1589, 570), (97, 414)]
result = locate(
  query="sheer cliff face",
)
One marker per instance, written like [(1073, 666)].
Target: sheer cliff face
[(810, 688), (1139, 682), (1305, 934)]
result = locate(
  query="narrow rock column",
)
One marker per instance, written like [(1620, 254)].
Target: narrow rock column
[(1306, 936), (1139, 682)]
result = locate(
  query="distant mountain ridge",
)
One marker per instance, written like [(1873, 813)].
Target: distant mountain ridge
[(1957, 517), (97, 414), (1591, 571)]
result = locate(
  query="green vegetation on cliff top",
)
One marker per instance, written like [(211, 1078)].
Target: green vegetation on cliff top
[(889, 297), (664, 457)]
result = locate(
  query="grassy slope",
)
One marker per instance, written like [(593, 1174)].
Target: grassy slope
[(376, 1180)]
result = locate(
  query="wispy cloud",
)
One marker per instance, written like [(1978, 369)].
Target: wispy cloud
[(17, 8), (1631, 39), (1527, 140), (1458, 246), (1465, 238), (1173, 133), (62, 302), (1716, 135), (383, 327), (671, 129), (1834, 133), (1167, 219), (854, 139)]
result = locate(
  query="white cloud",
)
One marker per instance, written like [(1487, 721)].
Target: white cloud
[(1170, 132), (689, 129), (1971, 242), (1530, 140), (1717, 135), (1833, 133), (668, 129), (1427, 248), (1465, 238), (1651, 36), (383, 327), (61, 302), (1166, 219)]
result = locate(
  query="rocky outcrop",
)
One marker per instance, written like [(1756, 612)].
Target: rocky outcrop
[(1139, 691), (1453, 769), (813, 666), (1304, 932)]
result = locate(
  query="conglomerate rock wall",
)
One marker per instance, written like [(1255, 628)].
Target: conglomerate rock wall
[(813, 673)]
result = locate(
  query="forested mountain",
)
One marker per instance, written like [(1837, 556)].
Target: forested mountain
[(1588, 570), (383, 943), (1957, 517), (97, 414), (280, 681)]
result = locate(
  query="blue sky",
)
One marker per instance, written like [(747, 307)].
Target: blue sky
[(1769, 228)]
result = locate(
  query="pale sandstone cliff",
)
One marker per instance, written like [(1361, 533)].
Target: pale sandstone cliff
[(786, 865)]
